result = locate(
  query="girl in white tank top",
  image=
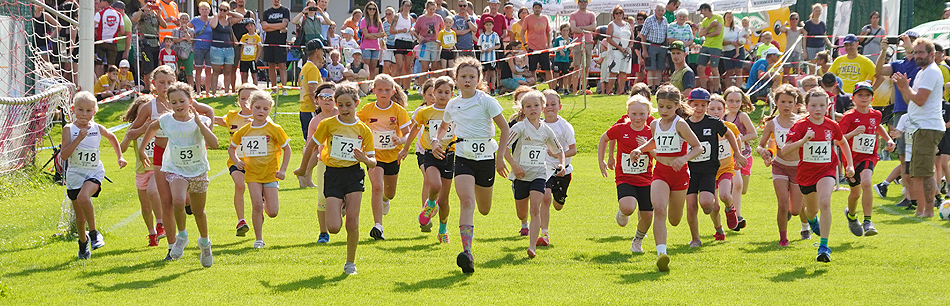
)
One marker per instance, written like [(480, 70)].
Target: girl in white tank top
[(788, 195)]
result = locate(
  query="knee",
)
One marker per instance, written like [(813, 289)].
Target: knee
[(273, 212), (377, 186), (239, 188), (198, 213), (333, 229), (352, 225)]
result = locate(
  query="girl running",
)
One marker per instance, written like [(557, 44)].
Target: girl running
[(428, 98), (727, 179), (863, 125), (84, 169), (555, 188), (310, 157), (472, 114), (149, 200), (633, 177), (738, 107), (186, 164), (812, 138), (234, 120), (788, 101), (390, 124), (346, 143)]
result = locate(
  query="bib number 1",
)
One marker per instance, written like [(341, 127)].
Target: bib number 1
[(863, 143)]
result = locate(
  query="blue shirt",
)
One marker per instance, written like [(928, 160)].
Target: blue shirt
[(760, 65), (202, 31), (909, 68)]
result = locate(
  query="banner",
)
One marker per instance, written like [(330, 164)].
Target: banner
[(842, 18), (769, 21), (890, 16)]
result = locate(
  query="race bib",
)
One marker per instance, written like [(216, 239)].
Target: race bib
[(172, 64), (434, 128), (342, 148), (448, 39), (479, 149), (254, 146), (630, 166), (249, 50), (817, 152), (725, 149), (667, 142), (384, 140), (706, 153), (863, 143), (149, 147), (532, 156), (780, 137), (187, 156), (84, 159)]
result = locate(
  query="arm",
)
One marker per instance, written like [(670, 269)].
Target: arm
[(601, 147), (846, 153), (282, 173), (855, 132), (308, 150), (749, 126), (763, 148), (239, 163), (136, 16), (234, 17), (297, 19), (919, 97), (695, 149), (791, 148), (435, 144), (211, 141), (115, 144), (516, 168), (139, 126), (162, 23), (220, 122), (69, 146), (410, 138), (882, 132), (503, 126), (741, 161), (213, 22), (150, 131), (204, 109)]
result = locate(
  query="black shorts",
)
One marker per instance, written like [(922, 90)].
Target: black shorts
[(446, 165), (248, 66), (523, 189), (701, 181), (482, 170), (391, 168), (420, 158), (641, 193), (273, 54), (562, 67), (558, 186), (806, 190), (447, 55), (148, 60), (233, 168), (544, 59), (856, 180), (488, 67), (74, 193), (338, 182), (402, 47), (943, 148)]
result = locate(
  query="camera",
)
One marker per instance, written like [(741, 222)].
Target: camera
[(312, 9), (893, 40)]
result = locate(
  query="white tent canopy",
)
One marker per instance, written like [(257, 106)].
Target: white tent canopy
[(565, 7)]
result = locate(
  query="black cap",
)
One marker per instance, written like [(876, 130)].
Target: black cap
[(314, 44), (829, 79), (705, 6)]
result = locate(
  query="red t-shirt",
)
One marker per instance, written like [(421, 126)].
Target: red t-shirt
[(499, 25), (536, 31), (582, 19), (167, 56), (626, 138), (852, 120), (820, 148)]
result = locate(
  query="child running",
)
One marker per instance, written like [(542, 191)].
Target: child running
[(84, 169), (633, 177), (262, 143), (812, 138), (727, 178), (149, 200), (555, 188), (437, 179), (390, 124), (346, 142), (863, 126), (527, 159), (234, 120), (472, 114), (310, 158), (428, 98), (186, 164), (671, 134), (738, 107)]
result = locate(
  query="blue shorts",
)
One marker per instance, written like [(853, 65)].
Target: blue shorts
[(222, 56), (274, 184), (202, 58), (370, 54)]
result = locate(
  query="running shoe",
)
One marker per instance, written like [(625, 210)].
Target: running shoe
[(443, 238), (324, 238), (242, 228), (663, 262), (523, 231), (84, 252), (285, 92), (376, 233), (903, 203), (824, 254), (532, 254), (349, 268), (695, 244), (806, 235), (160, 230), (259, 244), (188, 209), (205, 257), (425, 216), (720, 236), (168, 256), (544, 240), (622, 219), (731, 220), (814, 227), (152, 240), (426, 228), (783, 243), (853, 224), (881, 190), (637, 245), (911, 206), (95, 239), (937, 200), (178, 248), (869, 229), (741, 223), (466, 261), (385, 212)]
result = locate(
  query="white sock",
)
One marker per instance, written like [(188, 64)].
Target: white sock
[(805, 226), (524, 225), (378, 226), (886, 182), (660, 249)]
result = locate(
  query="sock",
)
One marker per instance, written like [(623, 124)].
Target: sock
[(204, 241), (719, 230), (660, 249), (824, 242), (805, 226), (159, 221), (442, 229), (242, 220), (813, 220), (524, 224), (867, 218), (152, 231), (467, 231), (430, 203), (183, 233), (783, 235), (544, 231), (886, 182), (913, 202), (378, 226), (640, 234), (852, 216)]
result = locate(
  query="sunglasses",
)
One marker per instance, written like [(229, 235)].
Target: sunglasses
[(325, 96)]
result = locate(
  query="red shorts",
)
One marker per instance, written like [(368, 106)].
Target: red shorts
[(724, 176), (678, 180), (157, 156), (780, 171), (747, 170)]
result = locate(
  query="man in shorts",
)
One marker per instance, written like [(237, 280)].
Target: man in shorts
[(712, 29), (536, 32), (583, 22), (653, 35), (274, 22)]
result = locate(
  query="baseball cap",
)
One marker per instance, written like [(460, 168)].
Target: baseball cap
[(829, 79), (677, 45), (699, 94), (356, 51), (864, 85), (124, 64), (119, 5), (912, 34), (773, 51), (314, 44), (705, 6), (348, 31), (538, 3), (494, 1), (850, 39)]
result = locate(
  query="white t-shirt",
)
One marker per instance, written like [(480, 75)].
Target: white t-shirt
[(928, 117), (335, 72), (530, 146), (348, 47), (902, 126), (565, 137), (473, 116)]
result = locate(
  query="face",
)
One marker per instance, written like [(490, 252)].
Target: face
[(733, 101), (162, 81), (786, 103), (443, 94), (468, 78), (493, 6), (371, 10), (817, 107), (347, 105), (180, 102), (716, 109), (389, 15), (488, 26), (537, 9), (204, 11), (552, 106), (678, 56), (430, 9), (565, 32), (618, 14), (680, 19), (582, 4), (921, 56), (84, 111), (406, 6), (114, 75), (705, 12), (808, 85), (123, 71), (509, 9), (666, 108), (862, 98), (240, 3), (242, 98), (640, 19), (851, 48), (638, 114), (383, 89), (260, 109), (358, 16), (223, 10), (325, 98), (699, 106), (532, 107), (463, 8), (745, 22), (276, 3), (322, 4), (429, 96), (875, 19), (659, 10), (815, 11), (251, 27), (522, 14)]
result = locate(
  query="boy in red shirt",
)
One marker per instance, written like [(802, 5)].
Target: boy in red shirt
[(167, 56)]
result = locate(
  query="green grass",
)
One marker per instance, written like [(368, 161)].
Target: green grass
[(589, 261)]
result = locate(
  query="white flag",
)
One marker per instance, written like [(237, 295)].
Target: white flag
[(890, 16), (842, 18)]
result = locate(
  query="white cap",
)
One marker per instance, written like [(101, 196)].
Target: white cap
[(124, 64), (772, 51), (356, 51), (348, 31)]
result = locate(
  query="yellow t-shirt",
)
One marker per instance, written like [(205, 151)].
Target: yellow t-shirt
[(429, 119), (127, 77), (726, 164), (338, 139), (946, 79), (447, 39), (386, 125), (233, 120), (261, 150), (249, 49), (104, 84), (310, 74), (852, 71)]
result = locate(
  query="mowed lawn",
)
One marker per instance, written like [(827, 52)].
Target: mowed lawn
[(589, 261)]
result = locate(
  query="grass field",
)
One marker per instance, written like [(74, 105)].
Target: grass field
[(589, 261)]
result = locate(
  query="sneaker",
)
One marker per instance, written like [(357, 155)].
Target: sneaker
[(903, 203), (853, 224), (637, 245), (869, 229), (188, 209), (824, 254), (443, 238), (84, 252), (695, 244), (95, 240), (783, 243), (806, 235), (881, 190), (426, 228), (741, 223), (160, 231), (720, 236), (425, 216), (532, 254), (205, 258), (386, 208), (376, 233), (152, 240), (259, 244), (543, 240), (324, 238), (911, 206), (466, 261), (663, 262), (814, 227), (622, 219), (242, 228), (349, 268), (168, 256), (285, 94), (523, 231), (937, 200), (178, 248), (731, 220)]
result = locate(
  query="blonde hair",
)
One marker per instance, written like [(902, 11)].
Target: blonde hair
[(85, 96), (162, 69), (399, 96), (520, 115), (551, 93), (516, 96), (468, 61), (260, 95), (243, 87), (204, 5), (638, 99), (717, 98)]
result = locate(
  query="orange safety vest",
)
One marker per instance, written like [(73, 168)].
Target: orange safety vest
[(168, 11)]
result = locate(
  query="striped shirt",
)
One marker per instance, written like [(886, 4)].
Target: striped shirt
[(485, 42)]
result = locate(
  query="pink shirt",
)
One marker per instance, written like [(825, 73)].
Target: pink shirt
[(369, 44), (582, 19), (429, 27), (536, 31)]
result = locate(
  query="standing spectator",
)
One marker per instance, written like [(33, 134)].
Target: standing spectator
[(309, 23), (324, 18), (464, 26), (183, 48), (792, 45), (427, 30), (401, 29), (925, 122), (351, 23), (654, 34), (124, 44), (499, 20), (638, 48), (240, 29), (682, 77), (147, 22), (108, 25), (815, 27), (222, 48), (371, 30), (620, 38), (166, 56), (712, 29), (517, 28), (582, 23), (679, 30), (274, 23), (762, 76), (671, 7), (854, 67), (732, 51), (202, 46), (43, 29), (536, 32), (562, 58), (871, 46), (168, 11), (440, 9), (447, 39), (510, 20), (387, 56), (250, 53), (907, 66)]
